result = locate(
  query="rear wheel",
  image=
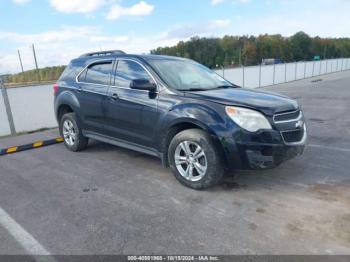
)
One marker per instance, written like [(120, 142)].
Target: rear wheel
[(195, 160), (72, 133)]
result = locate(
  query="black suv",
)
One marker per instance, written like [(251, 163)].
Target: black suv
[(195, 121)]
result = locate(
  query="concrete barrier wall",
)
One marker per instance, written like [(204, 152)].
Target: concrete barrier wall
[(251, 77), (233, 75), (32, 107), (4, 124)]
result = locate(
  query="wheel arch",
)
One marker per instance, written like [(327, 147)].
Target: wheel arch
[(62, 110), (182, 125), (66, 102)]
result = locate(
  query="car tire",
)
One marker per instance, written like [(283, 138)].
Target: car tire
[(194, 151), (72, 133)]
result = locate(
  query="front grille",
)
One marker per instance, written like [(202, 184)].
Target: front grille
[(289, 116), (293, 136)]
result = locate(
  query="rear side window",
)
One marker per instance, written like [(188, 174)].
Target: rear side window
[(128, 71), (97, 73), (72, 70)]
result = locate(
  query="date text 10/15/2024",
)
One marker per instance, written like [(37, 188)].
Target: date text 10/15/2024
[(173, 258)]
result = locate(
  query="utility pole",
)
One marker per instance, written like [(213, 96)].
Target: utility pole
[(20, 60), (34, 54), (36, 62)]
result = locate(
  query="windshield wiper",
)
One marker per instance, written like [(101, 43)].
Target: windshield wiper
[(224, 87), (194, 89), (208, 89)]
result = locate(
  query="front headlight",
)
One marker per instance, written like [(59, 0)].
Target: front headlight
[(248, 119)]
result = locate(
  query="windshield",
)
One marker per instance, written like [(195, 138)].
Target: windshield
[(187, 75)]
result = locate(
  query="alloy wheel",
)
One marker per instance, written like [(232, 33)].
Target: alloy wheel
[(191, 161), (69, 133)]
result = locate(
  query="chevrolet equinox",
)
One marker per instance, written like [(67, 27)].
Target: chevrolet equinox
[(195, 121)]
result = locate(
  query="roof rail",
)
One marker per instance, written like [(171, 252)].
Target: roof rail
[(104, 53)]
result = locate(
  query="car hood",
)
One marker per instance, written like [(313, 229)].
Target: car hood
[(267, 102)]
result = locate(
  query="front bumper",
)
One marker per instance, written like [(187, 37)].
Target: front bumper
[(264, 157), (264, 150)]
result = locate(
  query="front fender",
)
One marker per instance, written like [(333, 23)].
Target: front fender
[(209, 117)]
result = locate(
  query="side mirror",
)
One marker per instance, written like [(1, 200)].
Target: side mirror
[(143, 84)]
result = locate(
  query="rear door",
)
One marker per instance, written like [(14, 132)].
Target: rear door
[(93, 83), (131, 114)]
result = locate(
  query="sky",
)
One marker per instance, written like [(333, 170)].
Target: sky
[(64, 29)]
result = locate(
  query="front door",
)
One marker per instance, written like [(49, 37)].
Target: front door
[(131, 114)]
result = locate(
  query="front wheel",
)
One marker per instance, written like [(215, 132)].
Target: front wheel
[(195, 160), (72, 133)]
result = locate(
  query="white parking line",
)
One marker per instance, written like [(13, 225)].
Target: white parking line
[(330, 148), (26, 240)]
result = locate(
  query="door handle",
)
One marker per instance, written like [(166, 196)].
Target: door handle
[(114, 96), (79, 89)]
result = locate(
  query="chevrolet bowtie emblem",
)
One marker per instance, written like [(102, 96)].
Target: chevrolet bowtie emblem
[(299, 124)]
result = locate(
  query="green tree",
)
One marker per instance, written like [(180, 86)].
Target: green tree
[(300, 45), (250, 50)]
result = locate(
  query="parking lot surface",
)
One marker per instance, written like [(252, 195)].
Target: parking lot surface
[(108, 200)]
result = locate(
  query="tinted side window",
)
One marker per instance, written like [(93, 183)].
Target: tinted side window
[(82, 76), (97, 73), (128, 71), (71, 71)]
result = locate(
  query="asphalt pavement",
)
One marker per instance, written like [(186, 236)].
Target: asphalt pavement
[(109, 200)]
